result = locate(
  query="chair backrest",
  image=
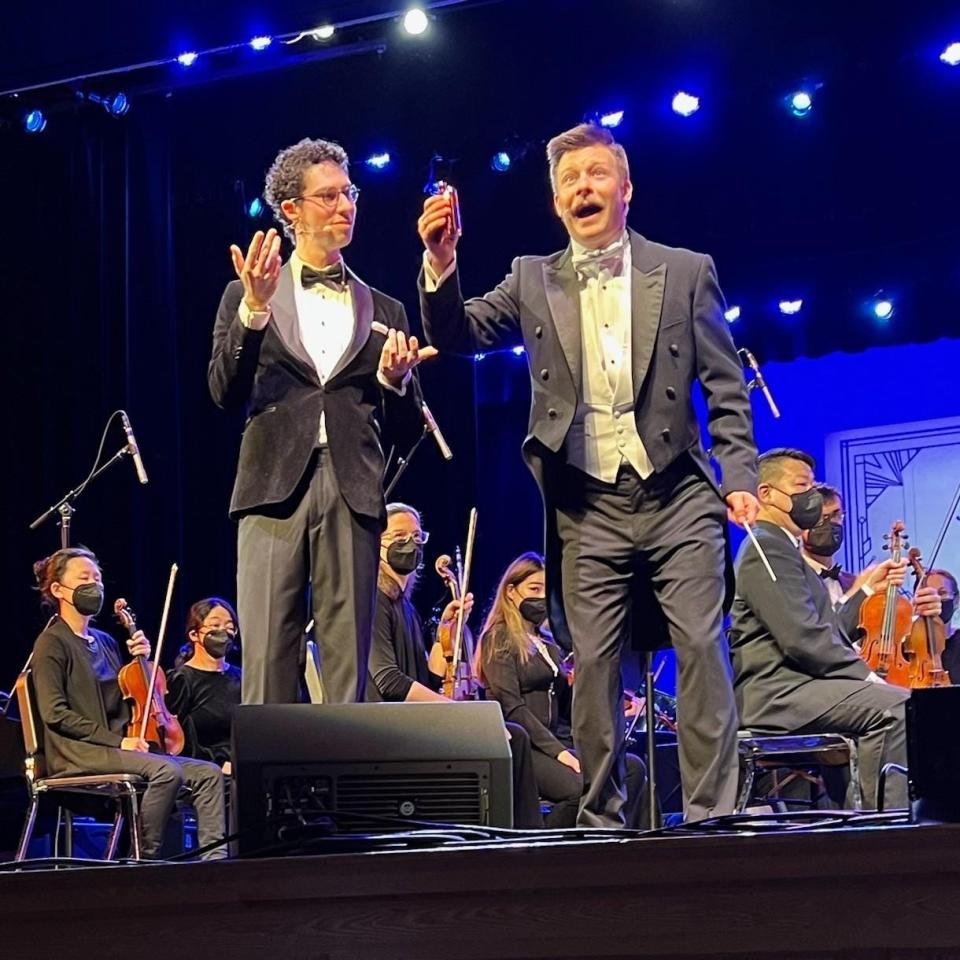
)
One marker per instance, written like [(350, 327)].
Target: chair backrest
[(30, 723)]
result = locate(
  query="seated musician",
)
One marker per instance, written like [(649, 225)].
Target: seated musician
[(945, 583), (520, 665), (795, 670), (823, 541), (203, 688), (84, 714), (399, 667)]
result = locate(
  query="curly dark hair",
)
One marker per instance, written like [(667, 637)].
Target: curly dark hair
[(51, 570), (285, 176)]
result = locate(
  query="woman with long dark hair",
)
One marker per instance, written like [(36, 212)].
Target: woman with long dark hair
[(522, 668), (204, 688)]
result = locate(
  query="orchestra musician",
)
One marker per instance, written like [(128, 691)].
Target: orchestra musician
[(618, 331), (84, 715), (822, 542), (522, 669), (795, 669), (204, 688), (400, 668)]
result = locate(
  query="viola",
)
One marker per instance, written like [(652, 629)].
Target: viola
[(927, 638), (144, 685), (885, 622), (455, 639)]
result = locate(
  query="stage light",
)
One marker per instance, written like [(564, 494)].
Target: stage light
[(261, 43), (612, 119), (187, 59), (116, 104), (378, 161), (500, 161), (790, 307), (732, 314), (255, 208), (951, 56), (518, 351), (686, 104), (34, 122), (883, 309), (479, 356), (323, 33), (801, 103), (415, 21)]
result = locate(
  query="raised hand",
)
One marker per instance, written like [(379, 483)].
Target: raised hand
[(259, 270), (400, 355), (435, 227)]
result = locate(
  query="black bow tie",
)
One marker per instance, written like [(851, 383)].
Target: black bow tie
[(334, 276), (833, 572)]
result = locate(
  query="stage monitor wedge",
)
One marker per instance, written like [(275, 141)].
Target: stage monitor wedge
[(306, 770)]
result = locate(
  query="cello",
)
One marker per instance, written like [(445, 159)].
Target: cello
[(928, 636), (459, 681), (144, 685), (885, 621)]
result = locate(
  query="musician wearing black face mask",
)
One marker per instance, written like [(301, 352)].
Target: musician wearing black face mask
[(795, 670), (522, 669), (204, 688), (945, 583), (401, 671), (823, 541)]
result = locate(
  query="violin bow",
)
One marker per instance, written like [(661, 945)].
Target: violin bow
[(156, 655), (464, 581)]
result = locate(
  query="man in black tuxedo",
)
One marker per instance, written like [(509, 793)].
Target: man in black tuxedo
[(795, 668), (316, 357), (617, 331), (823, 542)]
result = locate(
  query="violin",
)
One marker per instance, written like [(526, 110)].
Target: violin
[(928, 636), (885, 622), (455, 639), (144, 685)]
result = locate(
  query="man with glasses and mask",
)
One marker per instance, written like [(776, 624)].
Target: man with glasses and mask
[(822, 542), (401, 671), (795, 670), (316, 358)]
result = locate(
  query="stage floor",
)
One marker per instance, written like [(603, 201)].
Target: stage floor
[(888, 892)]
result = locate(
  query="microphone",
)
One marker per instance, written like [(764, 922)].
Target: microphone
[(437, 435), (751, 361), (132, 447)]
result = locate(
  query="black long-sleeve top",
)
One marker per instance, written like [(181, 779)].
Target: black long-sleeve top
[(398, 655), (527, 693), (203, 701)]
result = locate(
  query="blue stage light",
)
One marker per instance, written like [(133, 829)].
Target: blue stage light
[(951, 56), (117, 105), (500, 161), (255, 208), (378, 161), (479, 356), (187, 59), (34, 121), (686, 104), (518, 350), (415, 21), (261, 43), (732, 314), (790, 307), (801, 103), (613, 119), (883, 309)]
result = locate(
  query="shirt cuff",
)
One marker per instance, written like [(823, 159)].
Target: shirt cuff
[(868, 590), (387, 385), (249, 317), (431, 282)]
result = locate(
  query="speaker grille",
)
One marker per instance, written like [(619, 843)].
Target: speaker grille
[(441, 797)]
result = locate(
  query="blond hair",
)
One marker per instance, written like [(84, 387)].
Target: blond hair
[(578, 137), (503, 632)]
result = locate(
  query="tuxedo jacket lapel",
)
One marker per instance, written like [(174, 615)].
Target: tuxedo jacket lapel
[(283, 308), (646, 303), (563, 298)]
